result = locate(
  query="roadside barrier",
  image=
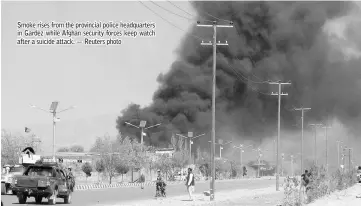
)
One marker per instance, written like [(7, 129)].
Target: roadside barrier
[(119, 185)]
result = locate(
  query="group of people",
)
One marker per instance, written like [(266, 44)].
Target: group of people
[(161, 185)]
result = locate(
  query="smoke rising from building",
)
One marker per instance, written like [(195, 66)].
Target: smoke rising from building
[(287, 41)]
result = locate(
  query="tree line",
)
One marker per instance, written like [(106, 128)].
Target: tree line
[(117, 157)]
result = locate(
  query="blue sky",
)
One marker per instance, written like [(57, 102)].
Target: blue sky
[(100, 81)]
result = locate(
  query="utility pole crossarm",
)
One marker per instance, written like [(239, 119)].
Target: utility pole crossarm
[(211, 44), (302, 109)]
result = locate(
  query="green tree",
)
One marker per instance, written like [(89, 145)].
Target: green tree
[(122, 168), (107, 151), (99, 167), (87, 169), (11, 147), (63, 149), (77, 148)]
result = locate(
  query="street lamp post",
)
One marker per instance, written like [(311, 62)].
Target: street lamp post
[(241, 148), (190, 137), (259, 158), (142, 127), (220, 143), (52, 110)]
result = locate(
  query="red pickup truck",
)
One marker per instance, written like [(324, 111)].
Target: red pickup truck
[(44, 180)]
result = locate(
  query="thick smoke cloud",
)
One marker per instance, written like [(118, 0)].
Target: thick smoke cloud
[(271, 41)]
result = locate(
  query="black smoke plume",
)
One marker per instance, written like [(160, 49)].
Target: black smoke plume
[(277, 41)]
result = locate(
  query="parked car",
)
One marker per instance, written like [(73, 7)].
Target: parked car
[(43, 180), (7, 177)]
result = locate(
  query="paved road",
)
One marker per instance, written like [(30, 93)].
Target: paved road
[(122, 195)]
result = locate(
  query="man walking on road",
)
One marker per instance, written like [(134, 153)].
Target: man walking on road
[(142, 179), (190, 183)]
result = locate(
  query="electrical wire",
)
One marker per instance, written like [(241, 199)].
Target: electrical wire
[(245, 81), (181, 9), (239, 76), (186, 11), (213, 15), (171, 11), (169, 22)]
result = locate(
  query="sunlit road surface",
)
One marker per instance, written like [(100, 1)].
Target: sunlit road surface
[(124, 195)]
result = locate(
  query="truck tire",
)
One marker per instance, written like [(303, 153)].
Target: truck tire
[(22, 198), (3, 189), (67, 199), (52, 198)]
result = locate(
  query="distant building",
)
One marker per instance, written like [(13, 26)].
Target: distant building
[(168, 151), (73, 157)]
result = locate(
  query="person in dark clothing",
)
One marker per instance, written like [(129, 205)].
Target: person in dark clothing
[(142, 180), (306, 179), (72, 179), (160, 186), (190, 183)]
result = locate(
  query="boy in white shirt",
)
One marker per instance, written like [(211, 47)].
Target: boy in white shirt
[(190, 183)]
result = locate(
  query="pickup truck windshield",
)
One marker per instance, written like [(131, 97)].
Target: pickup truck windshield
[(16, 169), (40, 171)]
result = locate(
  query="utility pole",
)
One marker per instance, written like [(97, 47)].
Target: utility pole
[(283, 158), (52, 110), (302, 109), (279, 94), (274, 151), (338, 153), (190, 137), (292, 173), (326, 138), (214, 44), (315, 152)]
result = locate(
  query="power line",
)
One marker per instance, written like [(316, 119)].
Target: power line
[(171, 11), (186, 11), (169, 22), (248, 79), (181, 9), (245, 81), (214, 16)]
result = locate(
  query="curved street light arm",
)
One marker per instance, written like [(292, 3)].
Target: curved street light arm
[(199, 135), (39, 108), (152, 126), (181, 135), (227, 143), (131, 125), (72, 107)]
